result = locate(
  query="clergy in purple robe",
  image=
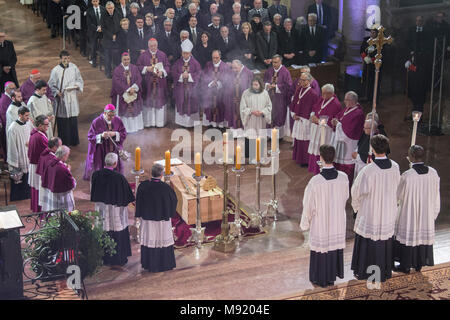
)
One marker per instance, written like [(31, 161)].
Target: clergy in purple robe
[(106, 134), (349, 126), (46, 156), (126, 94), (37, 144), (59, 183), (314, 83), (27, 88), (239, 80), (301, 106), (328, 106), (215, 75), (154, 67), (278, 83), (186, 73), (5, 101)]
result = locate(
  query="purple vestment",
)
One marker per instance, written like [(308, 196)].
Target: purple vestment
[(234, 87), (280, 101), (185, 94), (352, 123), (213, 98), (120, 85), (37, 144), (5, 101), (155, 88), (57, 177), (27, 89), (95, 159)]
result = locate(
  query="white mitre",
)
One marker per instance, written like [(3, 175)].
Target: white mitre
[(187, 46)]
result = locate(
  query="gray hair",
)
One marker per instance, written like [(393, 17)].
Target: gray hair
[(328, 88), (375, 116), (110, 3), (236, 4), (277, 56), (62, 151), (238, 62), (308, 76), (134, 5), (218, 51), (191, 5), (353, 95), (168, 10), (369, 121), (306, 68), (167, 20), (287, 20), (312, 15), (184, 32), (301, 20), (157, 170), (276, 15), (111, 159)]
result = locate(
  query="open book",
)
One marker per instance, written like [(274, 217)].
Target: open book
[(10, 220)]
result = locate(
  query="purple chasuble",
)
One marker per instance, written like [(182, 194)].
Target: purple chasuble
[(185, 93), (120, 85), (37, 144), (57, 177), (352, 122), (280, 101), (155, 88), (213, 99), (95, 159)]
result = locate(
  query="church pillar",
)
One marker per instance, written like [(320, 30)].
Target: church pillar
[(354, 22)]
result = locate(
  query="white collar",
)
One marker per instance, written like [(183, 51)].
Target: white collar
[(152, 53), (279, 68), (413, 163), (187, 59), (126, 67), (218, 64), (381, 158), (242, 68), (141, 29), (332, 167), (107, 121)]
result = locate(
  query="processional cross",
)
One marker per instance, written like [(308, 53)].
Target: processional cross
[(379, 42)]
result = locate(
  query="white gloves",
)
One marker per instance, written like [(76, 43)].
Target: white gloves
[(370, 49), (368, 60), (407, 64)]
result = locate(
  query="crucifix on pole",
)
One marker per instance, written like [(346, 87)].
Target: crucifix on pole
[(379, 42)]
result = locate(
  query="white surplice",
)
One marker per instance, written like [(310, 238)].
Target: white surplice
[(12, 114), (114, 218), (344, 146), (324, 212), (17, 145), (41, 106), (419, 205), (374, 198), (255, 102), (72, 77)]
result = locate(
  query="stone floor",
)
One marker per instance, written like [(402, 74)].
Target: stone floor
[(265, 267)]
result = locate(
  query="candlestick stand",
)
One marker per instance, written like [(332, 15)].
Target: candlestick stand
[(225, 242), (416, 115), (167, 177), (272, 206), (236, 225), (256, 216), (198, 233), (137, 222)]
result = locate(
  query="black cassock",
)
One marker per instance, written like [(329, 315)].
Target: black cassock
[(156, 204), (110, 188), (419, 75), (368, 77), (8, 58)]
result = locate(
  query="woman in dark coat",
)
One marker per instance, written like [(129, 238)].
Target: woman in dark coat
[(55, 10), (121, 43), (203, 50), (246, 43)]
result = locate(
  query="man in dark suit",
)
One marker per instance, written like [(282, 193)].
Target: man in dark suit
[(323, 12), (312, 41), (235, 26), (180, 12), (214, 27), (277, 8), (192, 11), (138, 40), (123, 9), (94, 31), (158, 9), (168, 41), (144, 6), (258, 8), (266, 45), (419, 37), (194, 32), (110, 23), (8, 60), (288, 39), (82, 33), (236, 8), (227, 45)]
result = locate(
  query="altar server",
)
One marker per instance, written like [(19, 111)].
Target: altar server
[(256, 112), (348, 126), (112, 194), (278, 83), (38, 143), (186, 73), (40, 104), (419, 201), (328, 106), (156, 204), (374, 199), (59, 183), (106, 132), (154, 67), (301, 106), (27, 88), (324, 215), (126, 94), (18, 162), (13, 109), (66, 83)]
